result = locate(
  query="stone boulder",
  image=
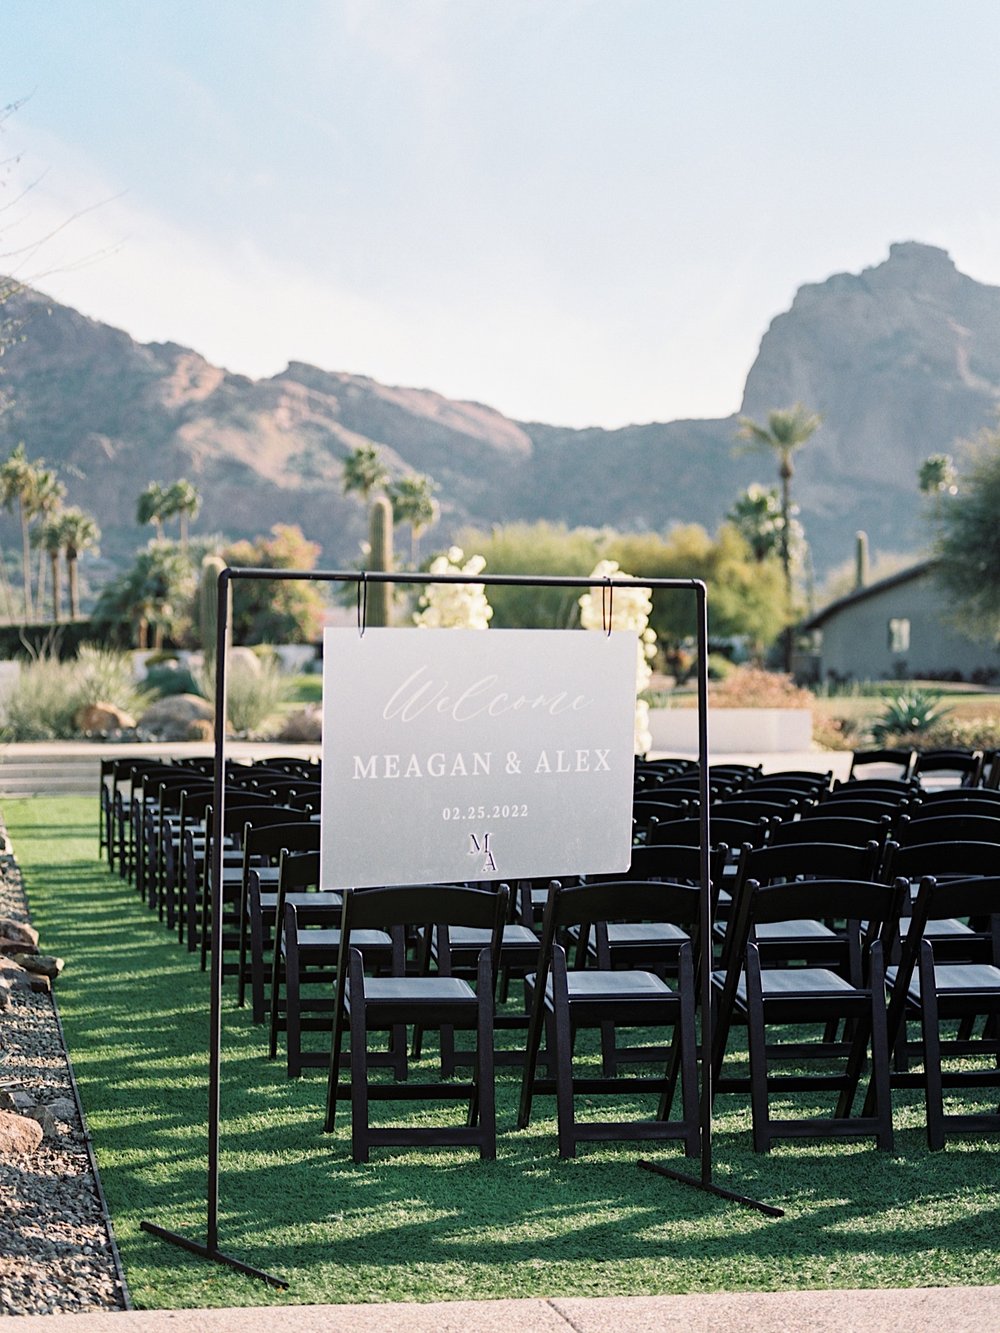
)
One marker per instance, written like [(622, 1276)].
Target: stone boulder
[(102, 719), (12, 929), (200, 730), (305, 726), (19, 1133), (15, 946), (42, 964), (170, 719), (13, 976)]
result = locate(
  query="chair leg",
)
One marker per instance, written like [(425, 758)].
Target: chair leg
[(359, 1062), (931, 1032), (757, 1045), (881, 1079), (333, 1076), (485, 1089), (256, 964), (293, 1012), (685, 1038), (563, 1051), (532, 1043)]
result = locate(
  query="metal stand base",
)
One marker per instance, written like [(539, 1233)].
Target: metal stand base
[(209, 1252), (766, 1208)]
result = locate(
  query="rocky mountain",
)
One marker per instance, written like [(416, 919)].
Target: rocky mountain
[(902, 360)]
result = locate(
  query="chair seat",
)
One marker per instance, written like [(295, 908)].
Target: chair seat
[(471, 937), (331, 898), (415, 990), (809, 982), (794, 930), (662, 932), (329, 939), (956, 979), (596, 984)]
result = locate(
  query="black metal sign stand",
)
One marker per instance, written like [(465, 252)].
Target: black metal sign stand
[(210, 1248)]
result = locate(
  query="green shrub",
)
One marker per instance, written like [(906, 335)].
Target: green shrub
[(911, 713), (167, 679)]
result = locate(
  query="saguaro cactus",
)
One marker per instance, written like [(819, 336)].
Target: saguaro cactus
[(208, 605), (860, 559), (380, 558)]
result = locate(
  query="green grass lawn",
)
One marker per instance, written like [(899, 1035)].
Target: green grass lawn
[(425, 1225)]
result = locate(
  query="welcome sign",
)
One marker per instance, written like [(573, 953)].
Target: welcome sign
[(463, 755)]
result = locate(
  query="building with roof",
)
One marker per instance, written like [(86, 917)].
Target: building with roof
[(897, 628)]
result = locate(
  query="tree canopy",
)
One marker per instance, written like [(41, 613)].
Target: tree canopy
[(967, 541)]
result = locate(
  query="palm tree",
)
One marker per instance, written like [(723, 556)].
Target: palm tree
[(787, 430), (79, 533), (17, 479), (182, 501), (150, 508), (412, 500), (49, 540), (44, 502), (364, 471)]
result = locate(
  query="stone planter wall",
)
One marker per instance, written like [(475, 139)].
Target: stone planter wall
[(733, 730)]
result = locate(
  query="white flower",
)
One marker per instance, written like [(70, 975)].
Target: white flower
[(455, 605)]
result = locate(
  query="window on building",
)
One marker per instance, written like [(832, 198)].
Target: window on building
[(899, 636)]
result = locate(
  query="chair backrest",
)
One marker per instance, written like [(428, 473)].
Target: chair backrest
[(298, 870), (964, 764), (270, 839), (956, 795), (723, 829), (958, 860), (948, 828), (750, 809), (832, 828), (860, 807), (900, 760), (900, 789), (809, 784), (396, 908), (672, 862), (818, 899), (620, 900), (960, 807), (814, 860)]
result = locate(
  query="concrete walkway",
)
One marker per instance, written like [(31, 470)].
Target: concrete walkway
[(958, 1309)]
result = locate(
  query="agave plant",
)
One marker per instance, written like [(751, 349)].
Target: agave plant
[(910, 713)]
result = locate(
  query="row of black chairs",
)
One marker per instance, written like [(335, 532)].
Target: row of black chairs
[(634, 951)]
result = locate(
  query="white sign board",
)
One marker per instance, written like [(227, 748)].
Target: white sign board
[(462, 755)]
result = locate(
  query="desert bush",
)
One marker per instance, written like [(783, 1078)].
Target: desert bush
[(255, 691), (835, 733), (49, 693), (41, 705), (103, 675), (752, 687), (972, 733)]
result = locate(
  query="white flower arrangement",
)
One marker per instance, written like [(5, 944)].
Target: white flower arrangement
[(455, 605), (630, 609)]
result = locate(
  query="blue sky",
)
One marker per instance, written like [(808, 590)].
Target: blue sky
[(577, 211)]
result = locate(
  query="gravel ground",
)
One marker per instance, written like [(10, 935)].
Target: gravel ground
[(56, 1252)]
